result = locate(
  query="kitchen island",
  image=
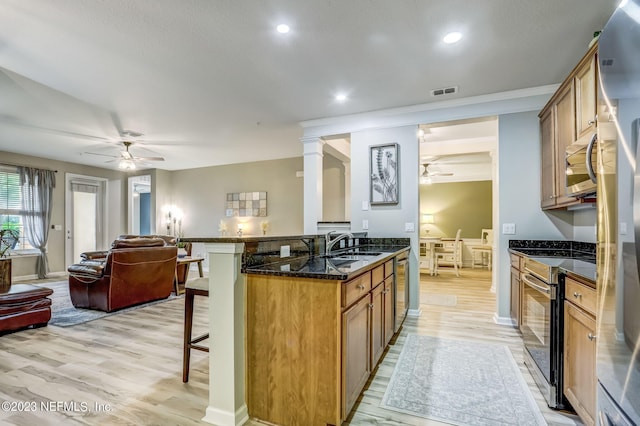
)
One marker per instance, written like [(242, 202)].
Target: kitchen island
[(316, 325)]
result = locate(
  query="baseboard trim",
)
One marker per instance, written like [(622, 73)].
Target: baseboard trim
[(503, 320), (33, 277)]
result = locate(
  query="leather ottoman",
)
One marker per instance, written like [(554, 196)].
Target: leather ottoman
[(24, 305)]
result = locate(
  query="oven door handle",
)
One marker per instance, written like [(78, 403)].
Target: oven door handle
[(528, 281)]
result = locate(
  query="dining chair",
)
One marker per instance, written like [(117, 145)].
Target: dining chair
[(485, 248), (449, 253)]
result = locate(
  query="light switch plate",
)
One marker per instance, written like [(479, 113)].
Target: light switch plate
[(365, 205), (509, 228), (623, 228), (409, 227), (365, 224)]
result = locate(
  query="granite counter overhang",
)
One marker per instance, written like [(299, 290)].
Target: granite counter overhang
[(322, 267)]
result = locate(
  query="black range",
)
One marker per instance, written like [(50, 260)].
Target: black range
[(546, 263)]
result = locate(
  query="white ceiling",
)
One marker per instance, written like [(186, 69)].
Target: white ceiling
[(211, 82)]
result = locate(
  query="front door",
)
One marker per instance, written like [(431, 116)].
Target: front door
[(85, 219)]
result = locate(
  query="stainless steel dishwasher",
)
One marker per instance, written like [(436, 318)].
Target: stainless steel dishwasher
[(401, 289)]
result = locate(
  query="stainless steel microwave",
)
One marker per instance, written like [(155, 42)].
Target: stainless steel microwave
[(581, 164)]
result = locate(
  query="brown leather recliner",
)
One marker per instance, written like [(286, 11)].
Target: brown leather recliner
[(134, 271)]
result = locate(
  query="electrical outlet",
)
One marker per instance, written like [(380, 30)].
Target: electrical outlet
[(509, 228), (409, 227), (285, 251), (623, 228)]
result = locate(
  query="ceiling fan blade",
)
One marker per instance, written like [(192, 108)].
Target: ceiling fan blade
[(116, 122), (104, 155), (149, 159)]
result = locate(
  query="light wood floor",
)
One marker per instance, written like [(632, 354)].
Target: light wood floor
[(132, 363)]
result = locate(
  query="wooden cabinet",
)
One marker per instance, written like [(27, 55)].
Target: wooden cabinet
[(318, 339), (356, 326), (569, 114), (580, 349), (516, 290), (389, 317), (586, 96)]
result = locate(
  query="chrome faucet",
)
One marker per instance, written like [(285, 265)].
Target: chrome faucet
[(330, 243)]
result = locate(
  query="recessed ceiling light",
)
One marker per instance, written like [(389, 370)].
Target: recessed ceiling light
[(283, 28), (341, 97), (453, 37)]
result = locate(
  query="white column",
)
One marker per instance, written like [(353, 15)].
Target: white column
[(227, 406), (347, 191), (312, 183)]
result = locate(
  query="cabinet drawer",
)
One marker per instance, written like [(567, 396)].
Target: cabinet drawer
[(448, 258), (388, 268), (377, 275), (356, 288), (580, 295)]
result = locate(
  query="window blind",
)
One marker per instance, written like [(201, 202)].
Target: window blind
[(10, 192)]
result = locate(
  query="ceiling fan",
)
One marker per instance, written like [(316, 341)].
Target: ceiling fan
[(126, 160), (429, 171)]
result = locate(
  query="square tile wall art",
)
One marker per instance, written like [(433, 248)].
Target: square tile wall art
[(246, 204)]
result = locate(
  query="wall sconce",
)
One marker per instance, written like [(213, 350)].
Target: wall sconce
[(174, 221)]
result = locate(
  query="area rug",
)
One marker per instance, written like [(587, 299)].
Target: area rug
[(439, 299), (461, 383), (64, 314)]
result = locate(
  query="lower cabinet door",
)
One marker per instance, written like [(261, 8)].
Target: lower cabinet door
[(389, 314), (515, 296), (356, 365), (580, 361), (377, 324)]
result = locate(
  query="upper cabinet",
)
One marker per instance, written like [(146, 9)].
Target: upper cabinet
[(585, 87), (567, 116)]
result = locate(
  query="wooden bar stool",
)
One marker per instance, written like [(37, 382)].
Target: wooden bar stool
[(198, 287)]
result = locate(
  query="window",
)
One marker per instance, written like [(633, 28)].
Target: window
[(11, 205)]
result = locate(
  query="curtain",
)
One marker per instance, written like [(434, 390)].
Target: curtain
[(37, 197)]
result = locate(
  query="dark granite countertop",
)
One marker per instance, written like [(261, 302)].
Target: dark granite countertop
[(244, 239), (343, 265), (573, 258)]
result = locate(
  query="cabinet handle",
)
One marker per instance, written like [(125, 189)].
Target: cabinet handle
[(360, 286), (577, 295), (590, 122), (370, 305), (591, 337)]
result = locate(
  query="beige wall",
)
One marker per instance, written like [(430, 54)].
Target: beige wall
[(333, 201), (464, 205), (201, 195), (25, 266)]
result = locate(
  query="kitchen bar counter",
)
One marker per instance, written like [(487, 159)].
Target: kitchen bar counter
[(341, 265)]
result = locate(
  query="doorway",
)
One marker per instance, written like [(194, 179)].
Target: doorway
[(457, 187), (140, 211), (85, 218)]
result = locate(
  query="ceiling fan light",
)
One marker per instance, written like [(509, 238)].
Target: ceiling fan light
[(127, 165)]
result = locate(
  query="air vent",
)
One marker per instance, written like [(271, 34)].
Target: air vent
[(444, 91), (606, 62)]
